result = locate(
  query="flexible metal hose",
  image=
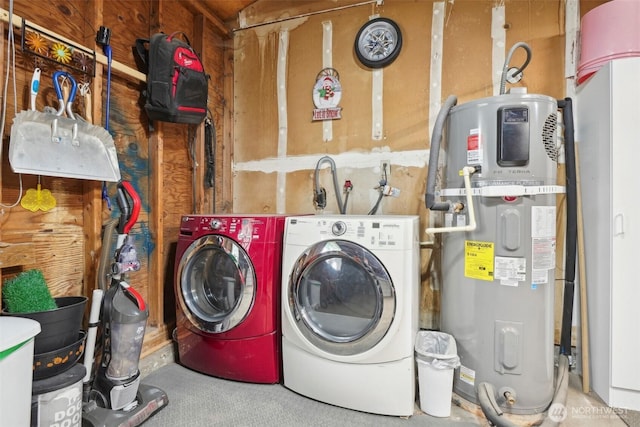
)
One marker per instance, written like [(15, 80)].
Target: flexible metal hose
[(505, 68), (336, 187)]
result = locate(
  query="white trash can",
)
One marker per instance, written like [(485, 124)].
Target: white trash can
[(437, 357), (16, 369)]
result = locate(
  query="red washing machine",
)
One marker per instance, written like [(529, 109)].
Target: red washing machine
[(227, 286)]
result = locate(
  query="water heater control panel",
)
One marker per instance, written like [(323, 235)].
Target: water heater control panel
[(513, 136)]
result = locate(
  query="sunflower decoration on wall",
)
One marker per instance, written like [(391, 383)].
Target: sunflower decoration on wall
[(37, 44), (83, 61), (50, 48), (60, 53)]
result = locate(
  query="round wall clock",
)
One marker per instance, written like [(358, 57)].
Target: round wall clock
[(378, 42)]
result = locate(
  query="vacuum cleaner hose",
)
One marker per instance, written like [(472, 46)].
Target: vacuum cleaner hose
[(105, 254)]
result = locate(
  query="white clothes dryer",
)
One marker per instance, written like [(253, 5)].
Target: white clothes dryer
[(350, 302)]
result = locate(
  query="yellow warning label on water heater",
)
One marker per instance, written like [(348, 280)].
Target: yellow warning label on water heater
[(478, 260)]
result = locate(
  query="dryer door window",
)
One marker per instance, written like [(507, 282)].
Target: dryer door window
[(342, 297), (217, 283)]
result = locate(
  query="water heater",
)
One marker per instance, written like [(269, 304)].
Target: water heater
[(497, 296)]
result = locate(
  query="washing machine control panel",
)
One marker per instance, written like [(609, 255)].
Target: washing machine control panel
[(338, 228), (240, 228)]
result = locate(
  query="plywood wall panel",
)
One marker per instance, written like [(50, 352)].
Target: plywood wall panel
[(405, 105), (253, 192), (304, 61), (256, 121), (214, 50), (406, 80), (61, 17), (405, 111), (541, 25), (261, 12), (300, 197), (127, 21), (59, 235), (466, 62), (178, 180)]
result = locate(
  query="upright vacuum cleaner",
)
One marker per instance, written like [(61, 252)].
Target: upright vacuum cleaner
[(115, 396)]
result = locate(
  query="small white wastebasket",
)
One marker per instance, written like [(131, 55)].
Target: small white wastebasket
[(437, 357)]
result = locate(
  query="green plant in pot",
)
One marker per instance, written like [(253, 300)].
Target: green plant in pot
[(27, 295)]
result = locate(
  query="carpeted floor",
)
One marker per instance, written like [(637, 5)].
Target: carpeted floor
[(197, 400)]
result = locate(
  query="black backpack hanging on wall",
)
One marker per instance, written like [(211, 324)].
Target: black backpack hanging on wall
[(177, 85)]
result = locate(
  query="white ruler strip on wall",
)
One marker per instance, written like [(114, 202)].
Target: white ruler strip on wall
[(498, 37), (571, 54), (377, 124), (435, 72), (327, 62), (283, 48)]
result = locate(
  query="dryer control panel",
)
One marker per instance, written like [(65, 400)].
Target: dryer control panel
[(389, 231)]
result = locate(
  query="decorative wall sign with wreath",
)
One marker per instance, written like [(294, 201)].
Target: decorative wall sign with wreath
[(327, 93)]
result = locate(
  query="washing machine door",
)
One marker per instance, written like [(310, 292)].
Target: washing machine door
[(341, 297), (217, 283)]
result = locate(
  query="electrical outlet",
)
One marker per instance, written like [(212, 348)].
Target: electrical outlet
[(385, 169)]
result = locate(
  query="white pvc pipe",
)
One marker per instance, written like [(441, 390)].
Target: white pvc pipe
[(90, 345), (466, 172)]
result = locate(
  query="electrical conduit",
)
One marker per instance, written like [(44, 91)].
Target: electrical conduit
[(505, 68)]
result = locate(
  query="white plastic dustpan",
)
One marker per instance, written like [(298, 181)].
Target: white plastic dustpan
[(50, 144)]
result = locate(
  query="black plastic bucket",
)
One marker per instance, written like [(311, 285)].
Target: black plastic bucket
[(46, 365), (59, 327)]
